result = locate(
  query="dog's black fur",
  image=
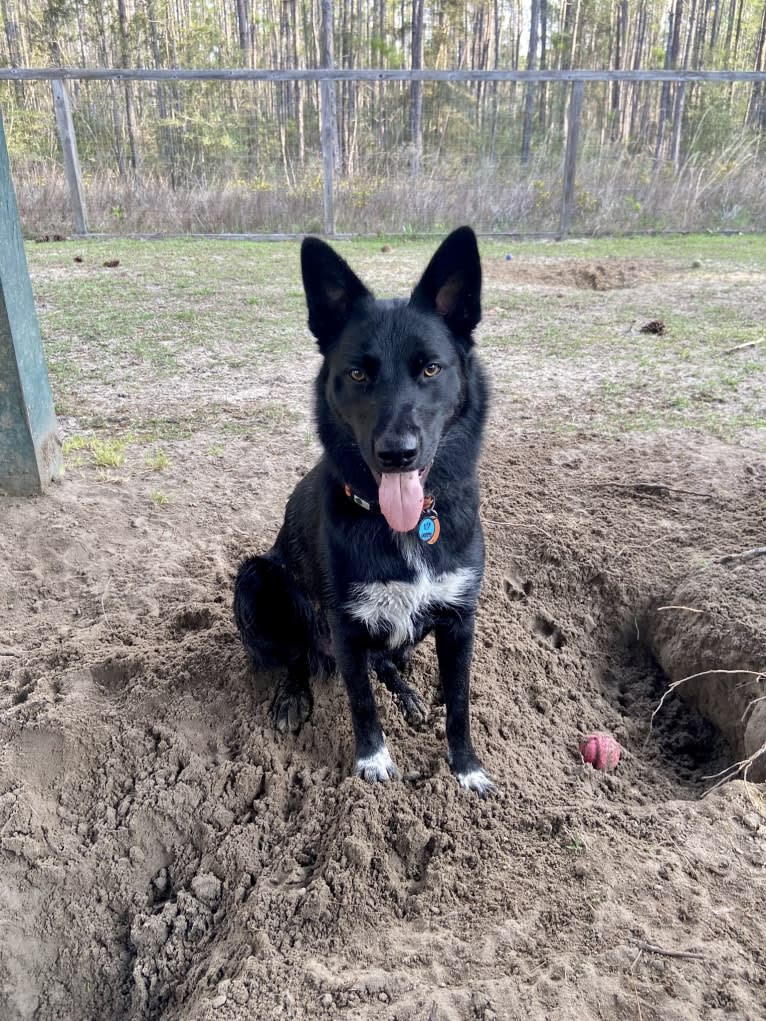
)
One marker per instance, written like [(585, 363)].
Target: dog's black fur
[(400, 389)]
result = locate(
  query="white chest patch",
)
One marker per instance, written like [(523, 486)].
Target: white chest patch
[(394, 606)]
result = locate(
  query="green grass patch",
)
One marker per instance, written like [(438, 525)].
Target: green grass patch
[(103, 453), (157, 461), (159, 498), (167, 345)]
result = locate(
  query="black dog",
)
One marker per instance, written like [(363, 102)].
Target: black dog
[(381, 542)]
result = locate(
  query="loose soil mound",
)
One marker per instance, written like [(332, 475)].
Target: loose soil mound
[(164, 854), (590, 276)]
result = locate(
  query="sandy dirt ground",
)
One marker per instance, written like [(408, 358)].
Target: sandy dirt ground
[(164, 854)]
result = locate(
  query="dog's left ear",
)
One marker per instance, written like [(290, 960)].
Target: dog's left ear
[(332, 289), (451, 284)]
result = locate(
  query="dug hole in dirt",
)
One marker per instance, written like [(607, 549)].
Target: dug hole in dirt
[(166, 855), (711, 642)]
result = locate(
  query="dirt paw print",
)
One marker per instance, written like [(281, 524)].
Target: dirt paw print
[(194, 618), (115, 674), (516, 588), (549, 632)]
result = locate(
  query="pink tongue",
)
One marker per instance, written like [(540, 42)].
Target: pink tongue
[(401, 500)]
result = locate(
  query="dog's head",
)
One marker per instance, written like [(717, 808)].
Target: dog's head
[(394, 376)]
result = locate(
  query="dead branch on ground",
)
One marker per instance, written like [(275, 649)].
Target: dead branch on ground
[(741, 347), (757, 674), (652, 948), (748, 554)]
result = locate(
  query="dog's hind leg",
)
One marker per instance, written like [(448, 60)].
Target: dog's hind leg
[(277, 625), (412, 706)]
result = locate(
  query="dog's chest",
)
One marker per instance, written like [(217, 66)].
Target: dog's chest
[(397, 609)]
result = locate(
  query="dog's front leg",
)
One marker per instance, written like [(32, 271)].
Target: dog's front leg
[(373, 761), (454, 649)]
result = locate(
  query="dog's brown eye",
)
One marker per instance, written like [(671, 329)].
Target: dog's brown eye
[(358, 375), (432, 369)]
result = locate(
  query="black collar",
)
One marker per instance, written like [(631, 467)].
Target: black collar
[(374, 507)]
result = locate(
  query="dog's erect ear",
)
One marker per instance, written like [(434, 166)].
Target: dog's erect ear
[(332, 290), (451, 284)]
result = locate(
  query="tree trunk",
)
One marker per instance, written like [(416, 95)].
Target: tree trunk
[(671, 55), (529, 95), (416, 116), (542, 88), (756, 111), (620, 43), (130, 117), (13, 38), (165, 134), (243, 31), (497, 27), (329, 118)]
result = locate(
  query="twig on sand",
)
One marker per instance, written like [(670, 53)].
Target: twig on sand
[(649, 487), (652, 948), (749, 709), (741, 347), (635, 549), (748, 554), (703, 673), (671, 606), (743, 766), (738, 768)]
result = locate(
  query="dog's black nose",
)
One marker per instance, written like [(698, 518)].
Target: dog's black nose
[(396, 453)]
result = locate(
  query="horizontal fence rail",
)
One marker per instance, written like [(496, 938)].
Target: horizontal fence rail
[(180, 74), (330, 76)]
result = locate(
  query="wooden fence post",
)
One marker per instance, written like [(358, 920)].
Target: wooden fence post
[(328, 159), (327, 121), (30, 454), (570, 158), (69, 149)]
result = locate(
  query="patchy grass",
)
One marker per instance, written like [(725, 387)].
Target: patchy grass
[(167, 304), (269, 414), (104, 452), (108, 453), (170, 343), (151, 429), (158, 460), (159, 497)]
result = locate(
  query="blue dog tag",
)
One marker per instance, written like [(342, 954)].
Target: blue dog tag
[(428, 529)]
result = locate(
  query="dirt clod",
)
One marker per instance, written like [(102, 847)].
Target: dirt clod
[(656, 326)]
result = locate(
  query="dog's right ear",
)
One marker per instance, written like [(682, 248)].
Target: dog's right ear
[(332, 291)]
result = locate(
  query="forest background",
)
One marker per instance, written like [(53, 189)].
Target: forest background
[(234, 156)]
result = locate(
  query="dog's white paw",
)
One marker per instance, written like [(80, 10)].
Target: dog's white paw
[(477, 780), (377, 768)]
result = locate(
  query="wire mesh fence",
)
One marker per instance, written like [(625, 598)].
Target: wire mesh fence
[(246, 156)]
